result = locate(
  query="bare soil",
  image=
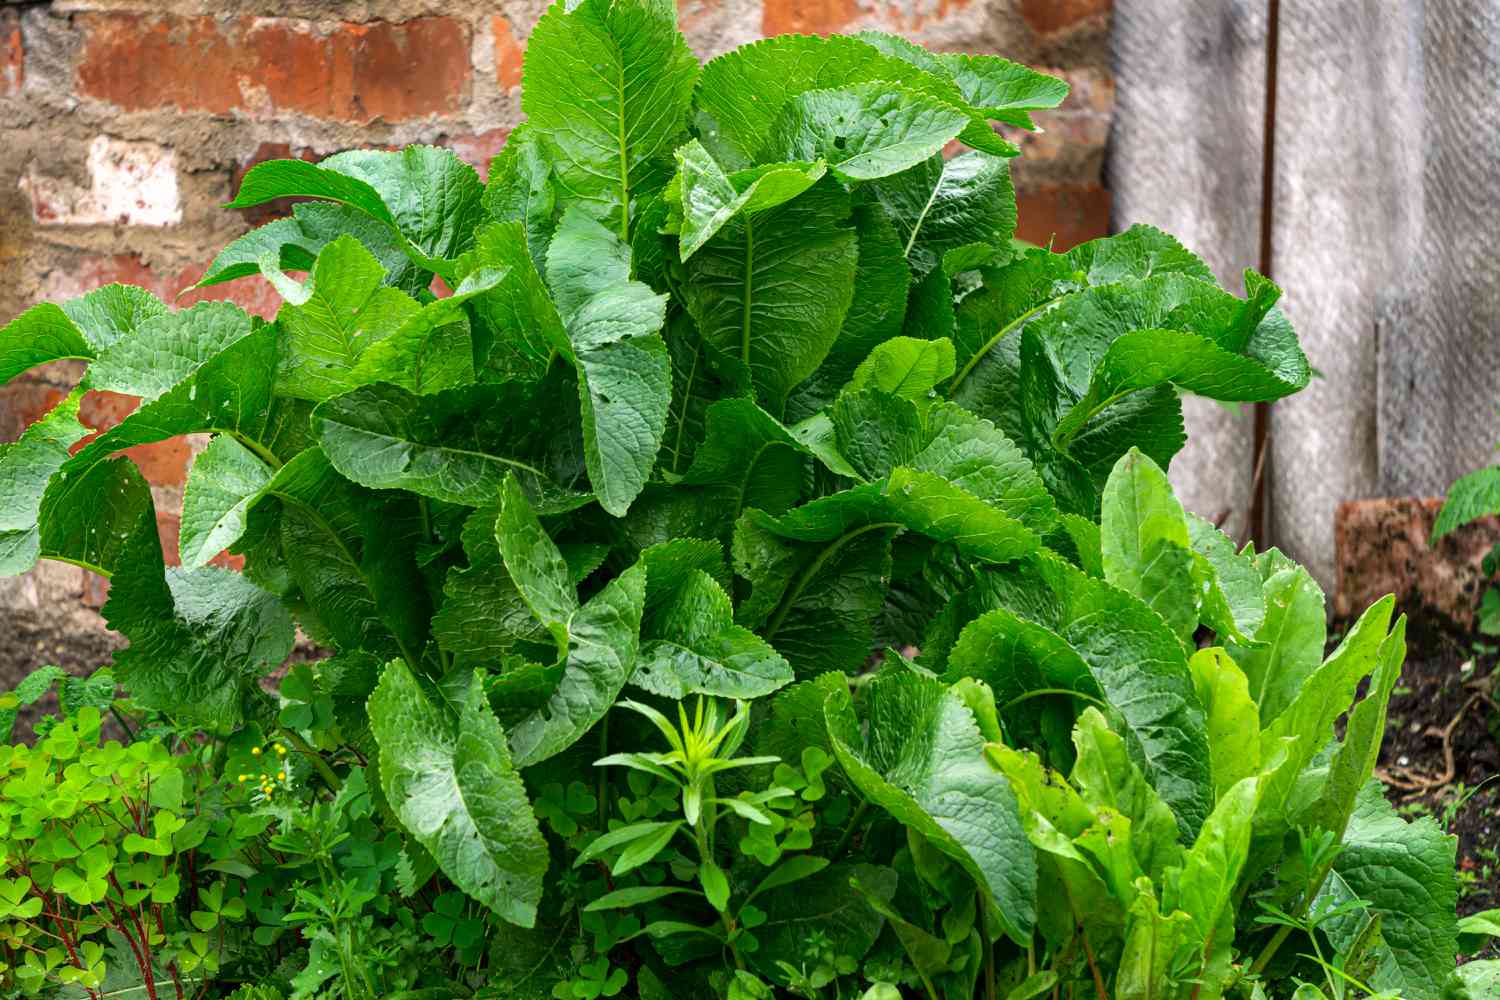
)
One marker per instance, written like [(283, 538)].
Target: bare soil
[(1441, 755)]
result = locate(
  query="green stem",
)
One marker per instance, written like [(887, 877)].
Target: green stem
[(859, 814), (1285, 930), (1044, 692), (603, 780), (129, 733), (794, 593), (307, 750), (701, 831), (989, 952), (261, 451), (958, 379)]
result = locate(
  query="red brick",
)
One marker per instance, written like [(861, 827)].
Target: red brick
[(163, 463), (807, 17), (253, 294), (1381, 547), (1050, 16), (266, 66), (12, 58), (509, 54), (1063, 216), (23, 402), (169, 527), (477, 149)]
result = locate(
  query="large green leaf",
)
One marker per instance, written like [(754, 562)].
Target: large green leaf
[(351, 555), (1233, 605), (80, 328), (484, 617), (1040, 682), (226, 478), (624, 371), (1138, 663), (742, 93), (923, 763), (603, 642), (1326, 694), (26, 465), (453, 786), (1233, 721), (920, 501), (816, 602), (1407, 874), (989, 318), (694, 389), (709, 198), (747, 459), (167, 348), (1354, 761), (516, 326), (1169, 329), (1001, 89), (770, 292), (1145, 543), (1107, 779), (940, 205), (876, 312), (385, 437), (597, 643), (864, 131), (433, 349), (293, 243), (693, 646), (520, 190), (1205, 884), (1470, 498), (973, 454), (427, 197), (231, 393), (1290, 641), (199, 639), (345, 307), (89, 518), (607, 90)]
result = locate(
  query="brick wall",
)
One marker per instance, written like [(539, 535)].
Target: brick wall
[(126, 125)]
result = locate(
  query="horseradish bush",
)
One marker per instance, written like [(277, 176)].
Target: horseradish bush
[(752, 574)]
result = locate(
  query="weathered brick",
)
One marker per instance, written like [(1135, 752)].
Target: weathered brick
[(478, 148), (253, 294), (1381, 547), (1050, 16), (693, 13), (163, 463), (23, 402), (1063, 216), (266, 66), (1068, 147), (807, 17), (130, 183), (12, 57), (509, 53)]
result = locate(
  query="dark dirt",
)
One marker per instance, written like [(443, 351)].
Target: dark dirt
[(1441, 756), (26, 644)]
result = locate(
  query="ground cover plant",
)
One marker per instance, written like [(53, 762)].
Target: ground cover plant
[(754, 575)]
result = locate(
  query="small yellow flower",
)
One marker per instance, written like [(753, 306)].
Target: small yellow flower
[(244, 776), (280, 750), (280, 775), (255, 751)]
